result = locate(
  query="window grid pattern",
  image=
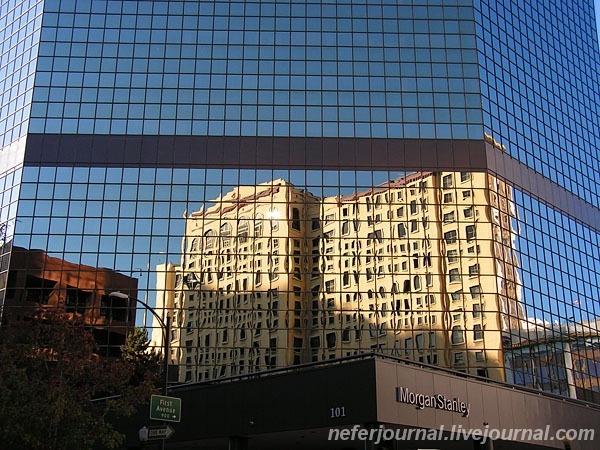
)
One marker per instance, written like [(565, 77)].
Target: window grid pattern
[(271, 268), (350, 69), (261, 269), (540, 91), (20, 23), (559, 280)]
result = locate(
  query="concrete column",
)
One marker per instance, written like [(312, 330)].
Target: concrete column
[(368, 443), (569, 369), (488, 445), (237, 443)]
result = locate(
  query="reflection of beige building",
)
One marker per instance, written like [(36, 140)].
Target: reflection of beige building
[(421, 267), (242, 301), (167, 276)]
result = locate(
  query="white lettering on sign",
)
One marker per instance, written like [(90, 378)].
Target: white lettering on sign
[(436, 401)]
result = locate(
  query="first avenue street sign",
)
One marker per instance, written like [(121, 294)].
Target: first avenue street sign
[(165, 408)]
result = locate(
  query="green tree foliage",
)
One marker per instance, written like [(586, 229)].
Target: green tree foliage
[(145, 361), (50, 375)]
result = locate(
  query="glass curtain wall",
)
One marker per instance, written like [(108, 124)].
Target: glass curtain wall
[(292, 182)]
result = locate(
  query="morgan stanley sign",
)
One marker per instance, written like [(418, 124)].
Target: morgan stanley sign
[(437, 401)]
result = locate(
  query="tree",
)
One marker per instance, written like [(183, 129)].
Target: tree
[(50, 375), (145, 361)]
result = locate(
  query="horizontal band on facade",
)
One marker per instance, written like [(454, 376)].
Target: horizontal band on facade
[(249, 152), (255, 152)]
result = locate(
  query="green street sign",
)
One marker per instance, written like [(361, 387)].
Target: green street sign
[(165, 408)]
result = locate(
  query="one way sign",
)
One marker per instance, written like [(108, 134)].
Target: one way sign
[(154, 433)]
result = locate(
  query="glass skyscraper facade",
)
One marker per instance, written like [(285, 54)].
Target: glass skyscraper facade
[(298, 181)]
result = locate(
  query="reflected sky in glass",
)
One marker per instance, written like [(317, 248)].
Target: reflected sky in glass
[(131, 220), (597, 7)]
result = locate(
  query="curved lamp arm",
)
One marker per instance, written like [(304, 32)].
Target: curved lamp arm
[(123, 296), (166, 330)]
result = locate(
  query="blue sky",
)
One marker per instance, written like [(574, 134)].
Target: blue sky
[(597, 5)]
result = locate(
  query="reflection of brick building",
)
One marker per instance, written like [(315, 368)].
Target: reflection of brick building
[(37, 280), (420, 267)]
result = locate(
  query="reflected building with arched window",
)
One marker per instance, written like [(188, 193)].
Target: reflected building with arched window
[(421, 267)]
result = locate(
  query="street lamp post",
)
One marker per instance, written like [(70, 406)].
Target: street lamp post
[(166, 327)]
